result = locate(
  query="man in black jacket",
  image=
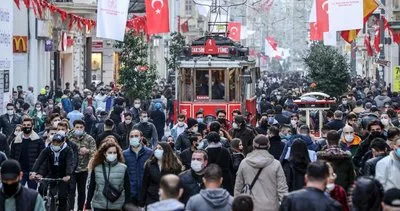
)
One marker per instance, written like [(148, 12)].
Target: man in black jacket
[(109, 131), (56, 161), (191, 179), (9, 120), (337, 123), (183, 142), (312, 197), (379, 151), (186, 155), (276, 145), (26, 148), (125, 127), (4, 147)]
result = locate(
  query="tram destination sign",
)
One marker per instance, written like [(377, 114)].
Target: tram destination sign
[(201, 50)]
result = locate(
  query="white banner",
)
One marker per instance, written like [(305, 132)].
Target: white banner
[(313, 13), (6, 51), (345, 14), (111, 19), (330, 38)]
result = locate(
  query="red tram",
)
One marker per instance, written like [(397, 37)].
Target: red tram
[(214, 74)]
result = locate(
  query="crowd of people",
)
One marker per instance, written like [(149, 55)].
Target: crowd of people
[(112, 154)]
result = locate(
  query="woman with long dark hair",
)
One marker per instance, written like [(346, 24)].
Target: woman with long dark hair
[(108, 171), (163, 161), (296, 166)]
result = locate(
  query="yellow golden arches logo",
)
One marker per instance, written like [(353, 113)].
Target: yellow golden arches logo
[(20, 44)]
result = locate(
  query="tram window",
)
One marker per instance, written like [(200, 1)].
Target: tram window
[(187, 85), (202, 89), (232, 85), (218, 86)]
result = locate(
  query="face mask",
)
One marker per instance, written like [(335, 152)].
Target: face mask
[(61, 132), (136, 106), (181, 124), (51, 105), (135, 142), (271, 120), (385, 122), (199, 120), (10, 189), (349, 138), (27, 130), (158, 153), (10, 112), (145, 119), (200, 145), (397, 152), (293, 122), (196, 165), (16, 133), (171, 144), (111, 157), (330, 187), (128, 122), (195, 129), (287, 137), (344, 102), (235, 125), (55, 148), (78, 132), (55, 123), (38, 108), (375, 134), (278, 97)]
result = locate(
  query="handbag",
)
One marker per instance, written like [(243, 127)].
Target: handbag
[(109, 191), (247, 188)]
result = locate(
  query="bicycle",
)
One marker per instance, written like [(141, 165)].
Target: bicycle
[(50, 194)]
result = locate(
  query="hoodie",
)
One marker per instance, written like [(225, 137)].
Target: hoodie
[(210, 199), (166, 205), (380, 100), (270, 187)]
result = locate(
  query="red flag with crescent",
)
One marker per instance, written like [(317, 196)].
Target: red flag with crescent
[(234, 30), (322, 15), (157, 15)]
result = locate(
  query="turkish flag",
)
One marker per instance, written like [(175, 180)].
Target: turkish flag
[(17, 3), (367, 43), (157, 14), (377, 40), (234, 30), (185, 26), (322, 16), (315, 34)]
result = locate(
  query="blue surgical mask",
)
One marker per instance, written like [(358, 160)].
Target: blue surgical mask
[(398, 152), (271, 119), (135, 141), (78, 132), (55, 148), (200, 120)]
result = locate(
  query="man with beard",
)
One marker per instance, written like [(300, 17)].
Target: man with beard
[(14, 196)]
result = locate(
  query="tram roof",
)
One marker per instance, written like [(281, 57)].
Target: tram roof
[(215, 63)]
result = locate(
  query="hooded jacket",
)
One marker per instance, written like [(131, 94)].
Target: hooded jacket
[(341, 163), (381, 100), (210, 199), (352, 146), (270, 186), (166, 205)]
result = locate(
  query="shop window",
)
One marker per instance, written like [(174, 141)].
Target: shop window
[(202, 88), (97, 66), (187, 88), (218, 85), (233, 83)]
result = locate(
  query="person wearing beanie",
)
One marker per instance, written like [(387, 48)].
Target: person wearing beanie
[(183, 142), (271, 183)]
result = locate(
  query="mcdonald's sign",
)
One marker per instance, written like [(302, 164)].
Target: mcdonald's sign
[(20, 44)]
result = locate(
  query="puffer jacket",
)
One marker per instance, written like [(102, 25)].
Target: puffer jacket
[(36, 145), (341, 163), (117, 175), (89, 143), (381, 100), (192, 184), (135, 163), (270, 186)]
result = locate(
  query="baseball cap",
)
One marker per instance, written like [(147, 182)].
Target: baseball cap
[(392, 197), (10, 169), (261, 142)]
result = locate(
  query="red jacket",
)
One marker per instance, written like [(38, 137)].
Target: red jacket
[(339, 194)]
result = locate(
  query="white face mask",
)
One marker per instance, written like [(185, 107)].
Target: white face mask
[(293, 122), (10, 112), (158, 153), (200, 145), (145, 119), (196, 165), (111, 157), (136, 105), (349, 138), (61, 132), (330, 187), (128, 121), (235, 125), (135, 141), (385, 122)]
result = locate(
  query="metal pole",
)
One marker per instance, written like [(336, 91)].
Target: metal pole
[(88, 76), (382, 41)]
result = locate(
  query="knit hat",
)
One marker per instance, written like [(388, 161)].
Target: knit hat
[(392, 197), (191, 122), (261, 142)]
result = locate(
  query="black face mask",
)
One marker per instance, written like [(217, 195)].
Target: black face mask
[(376, 134), (171, 144), (10, 189), (27, 130)]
